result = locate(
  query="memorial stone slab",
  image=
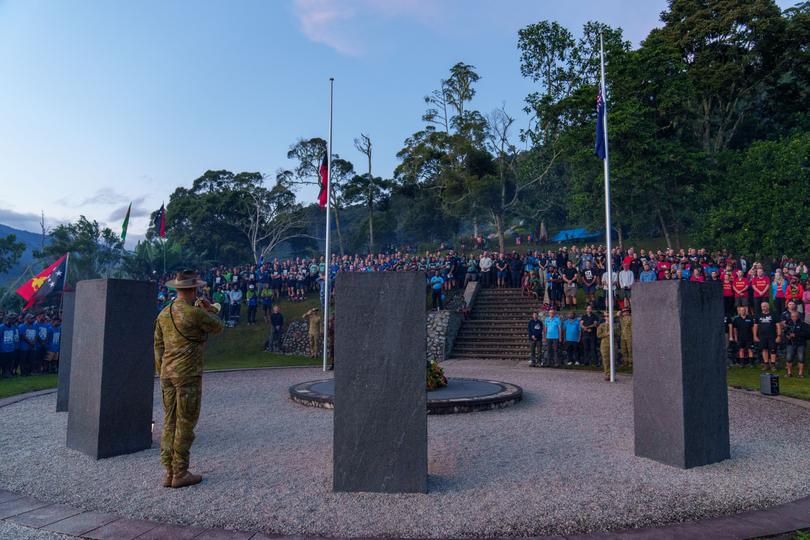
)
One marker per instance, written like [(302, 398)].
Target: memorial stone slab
[(380, 419), (112, 368), (65, 349), (680, 397)]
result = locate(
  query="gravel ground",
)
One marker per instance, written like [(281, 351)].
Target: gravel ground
[(9, 531), (559, 462)]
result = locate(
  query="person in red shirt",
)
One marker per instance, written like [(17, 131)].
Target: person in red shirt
[(728, 292), (698, 275), (740, 286), (662, 267), (762, 287)]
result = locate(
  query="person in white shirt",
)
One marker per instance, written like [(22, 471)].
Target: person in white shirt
[(605, 286), (485, 265), (626, 279)]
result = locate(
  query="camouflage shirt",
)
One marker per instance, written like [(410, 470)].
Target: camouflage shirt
[(179, 349)]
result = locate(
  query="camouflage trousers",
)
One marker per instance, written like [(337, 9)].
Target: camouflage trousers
[(627, 351), (604, 348), (181, 409)]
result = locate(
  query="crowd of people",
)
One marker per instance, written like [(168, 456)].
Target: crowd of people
[(30, 343), (767, 305)]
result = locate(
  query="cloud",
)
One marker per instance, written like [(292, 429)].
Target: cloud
[(137, 210), (320, 22), (102, 196), (335, 22), (25, 221)]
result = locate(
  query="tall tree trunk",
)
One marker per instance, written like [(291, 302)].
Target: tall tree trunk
[(619, 233), (371, 228), (664, 227), (497, 221), (475, 227)]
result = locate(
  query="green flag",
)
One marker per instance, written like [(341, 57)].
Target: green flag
[(125, 225)]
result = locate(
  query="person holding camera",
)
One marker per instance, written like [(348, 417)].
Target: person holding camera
[(181, 331), (796, 333)]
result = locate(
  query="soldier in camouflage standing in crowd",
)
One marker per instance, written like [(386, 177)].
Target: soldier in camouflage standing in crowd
[(626, 325), (603, 334), (181, 330)]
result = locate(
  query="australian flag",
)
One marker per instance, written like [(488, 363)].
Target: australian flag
[(601, 147)]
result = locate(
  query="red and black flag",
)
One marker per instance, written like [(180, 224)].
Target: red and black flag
[(160, 222), (323, 174), (50, 280)]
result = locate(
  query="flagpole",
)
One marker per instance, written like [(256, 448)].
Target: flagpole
[(328, 204), (64, 283), (607, 213)]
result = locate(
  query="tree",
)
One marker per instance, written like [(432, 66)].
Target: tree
[(94, 250), (766, 183), (729, 49), (309, 154), (366, 189), (10, 251), (270, 217)]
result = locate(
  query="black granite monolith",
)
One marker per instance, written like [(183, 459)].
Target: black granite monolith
[(680, 398), (380, 421), (112, 367), (65, 349)]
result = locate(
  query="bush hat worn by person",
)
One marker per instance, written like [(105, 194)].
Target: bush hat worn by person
[(187, 279)]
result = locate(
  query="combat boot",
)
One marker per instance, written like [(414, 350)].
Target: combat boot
[(184, 479), (167, 480)]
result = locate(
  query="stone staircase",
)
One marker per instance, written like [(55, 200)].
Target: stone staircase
[(497, 326)]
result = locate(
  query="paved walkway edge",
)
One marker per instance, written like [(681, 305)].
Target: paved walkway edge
[(56, 518)]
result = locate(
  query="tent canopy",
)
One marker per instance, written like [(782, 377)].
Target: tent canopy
[(574, 234)]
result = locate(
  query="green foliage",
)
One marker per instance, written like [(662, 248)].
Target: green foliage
[(231, 218), (759, 208), (94, 251), (10, 251)]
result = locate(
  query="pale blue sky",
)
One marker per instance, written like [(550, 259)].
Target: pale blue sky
[(102, 103)]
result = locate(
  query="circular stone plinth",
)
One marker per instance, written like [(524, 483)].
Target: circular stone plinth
[(459, 396), (560, 463)]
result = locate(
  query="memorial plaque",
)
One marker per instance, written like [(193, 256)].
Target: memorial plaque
[(65, 348), (680, 397), (380, 419), (112, 367)]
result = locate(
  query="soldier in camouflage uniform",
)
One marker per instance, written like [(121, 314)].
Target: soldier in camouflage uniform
[(181, 330), (313, 317), (603, 334), (627, 338)]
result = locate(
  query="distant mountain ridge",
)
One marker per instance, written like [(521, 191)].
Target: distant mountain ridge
[(32, 241)]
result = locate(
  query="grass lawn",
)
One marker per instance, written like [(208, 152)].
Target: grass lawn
[(748, 378), (243, 346), (21, 385)]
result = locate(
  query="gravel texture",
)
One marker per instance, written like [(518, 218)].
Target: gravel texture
[(559, 462), (9, 531)]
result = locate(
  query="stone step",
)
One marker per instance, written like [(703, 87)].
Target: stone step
[(477, 349), (487, 356), (493, 341)]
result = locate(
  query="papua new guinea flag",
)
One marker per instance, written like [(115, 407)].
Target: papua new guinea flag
[(50, 280)]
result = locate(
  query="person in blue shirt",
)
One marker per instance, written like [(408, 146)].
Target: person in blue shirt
[(647, 274), (28, 344), (573, 335), (43, 333), (53, 346), (9, 341), (436, 284), (553, 337)]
